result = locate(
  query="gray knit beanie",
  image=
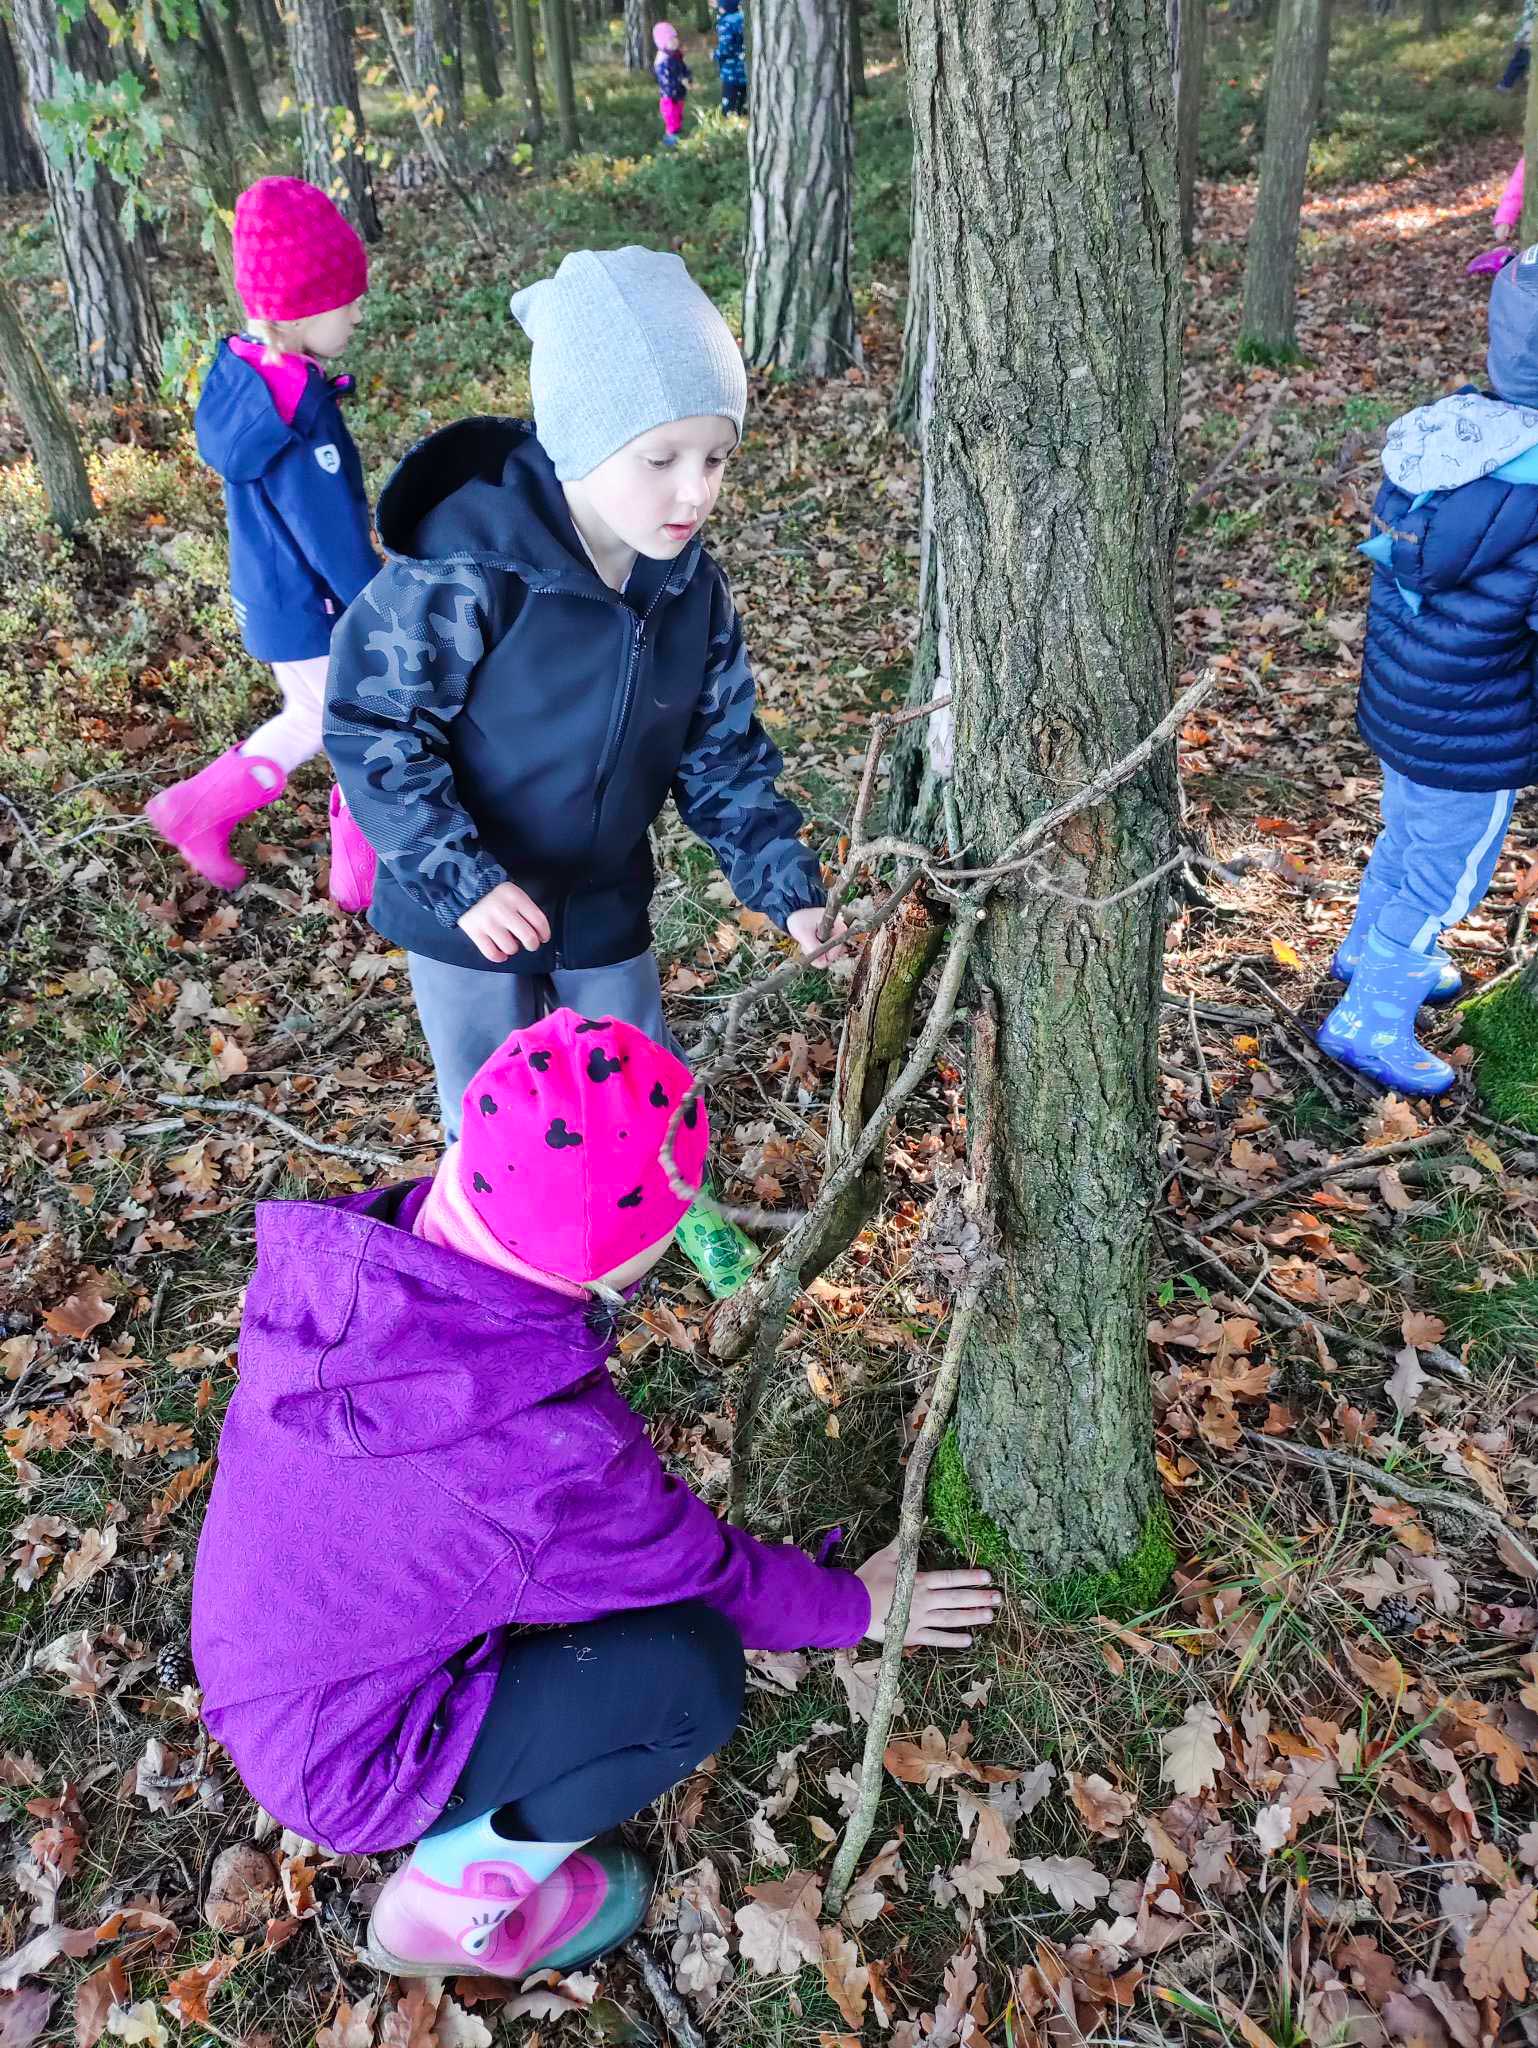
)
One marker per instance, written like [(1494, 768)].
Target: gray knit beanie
[(624, 341)]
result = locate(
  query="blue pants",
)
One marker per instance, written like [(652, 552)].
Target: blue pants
[(1435, 856), (466, 1013)]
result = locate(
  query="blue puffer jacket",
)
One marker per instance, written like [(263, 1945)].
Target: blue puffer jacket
[(1449, 691)]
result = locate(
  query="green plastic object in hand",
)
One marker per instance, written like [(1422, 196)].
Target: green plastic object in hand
[(720, 1253)]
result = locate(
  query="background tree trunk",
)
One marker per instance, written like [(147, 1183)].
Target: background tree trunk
[(559, 57), (483, 40), (1528, 227), (21, 161), (1188, 40), (442, 80), (1055, 280), (858, 87), (216, 73), (528, 70), (638, 36), (904, 414), (47, 426), (1431, 17), (270, 29), (797, 310), (116, 322), (1292, 107), (224, 20), (205, 133), (326, 87)]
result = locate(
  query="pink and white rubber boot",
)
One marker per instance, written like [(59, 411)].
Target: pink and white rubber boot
[(197, 816), (465, 1904)]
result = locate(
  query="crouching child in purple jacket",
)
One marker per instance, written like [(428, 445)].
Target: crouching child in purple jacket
[(446, 1593)]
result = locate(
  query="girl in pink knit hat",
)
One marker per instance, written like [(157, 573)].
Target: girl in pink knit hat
[(497, 1626), (268, 421)]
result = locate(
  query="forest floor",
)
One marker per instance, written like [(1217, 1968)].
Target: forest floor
[(1293, 1802)]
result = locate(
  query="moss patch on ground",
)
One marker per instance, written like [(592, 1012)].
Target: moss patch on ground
[(1132, 1587), (1502, 1027)]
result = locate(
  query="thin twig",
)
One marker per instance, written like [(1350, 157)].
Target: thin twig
[(1368, 1155), (1201, 1058), (675, 2014), (1224, 463), (1302, 1046), (362, 1154), (1401, 1489), (1275, 1308)]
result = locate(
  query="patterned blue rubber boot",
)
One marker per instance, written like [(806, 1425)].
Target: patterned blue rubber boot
[(1371, 1029), (1448, 985)]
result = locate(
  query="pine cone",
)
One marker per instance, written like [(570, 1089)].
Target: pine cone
[(1397, 1616), (173, 1668)]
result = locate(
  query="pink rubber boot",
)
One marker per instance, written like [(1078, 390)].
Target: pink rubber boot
[(441, 1915), (197, 816)]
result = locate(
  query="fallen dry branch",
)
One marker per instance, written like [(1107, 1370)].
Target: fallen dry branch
[(675, 2014), (1402, 1489), (1366, 1155), (216, 1105)]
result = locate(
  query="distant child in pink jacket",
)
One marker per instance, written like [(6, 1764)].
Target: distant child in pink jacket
[(1508, 212)]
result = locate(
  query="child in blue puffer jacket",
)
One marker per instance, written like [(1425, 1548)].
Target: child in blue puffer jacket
[(1448, 699)]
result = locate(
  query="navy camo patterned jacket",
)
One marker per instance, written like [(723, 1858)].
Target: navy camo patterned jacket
[(495, 713)]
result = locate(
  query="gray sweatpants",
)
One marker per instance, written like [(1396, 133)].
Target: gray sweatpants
[(466, 1012)]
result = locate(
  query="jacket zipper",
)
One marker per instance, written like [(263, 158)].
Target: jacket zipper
[(627, 697)]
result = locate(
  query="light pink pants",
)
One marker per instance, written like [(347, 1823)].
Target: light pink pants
[(293, 735)]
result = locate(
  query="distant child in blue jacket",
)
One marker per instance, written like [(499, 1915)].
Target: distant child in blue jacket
[(1448, 700), (730, 63), (268, 421)]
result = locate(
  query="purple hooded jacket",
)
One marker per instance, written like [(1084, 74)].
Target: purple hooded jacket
[(422, 1450)]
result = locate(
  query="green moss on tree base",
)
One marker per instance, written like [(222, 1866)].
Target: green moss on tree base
[(1502, 1027), (1131, 1588), (1248, 350)]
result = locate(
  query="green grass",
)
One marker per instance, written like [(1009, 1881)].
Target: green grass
[(1394, 99), (1487, 1297)]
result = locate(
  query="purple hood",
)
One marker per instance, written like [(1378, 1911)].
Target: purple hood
[(421, 1451)]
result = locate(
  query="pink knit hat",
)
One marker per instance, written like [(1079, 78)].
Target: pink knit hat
[(664, 34), (295, 255), (559, 1151)]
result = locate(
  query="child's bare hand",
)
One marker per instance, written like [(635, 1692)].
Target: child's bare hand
[(504, 922), (1504, 234), (947, 1606), (805, 926)]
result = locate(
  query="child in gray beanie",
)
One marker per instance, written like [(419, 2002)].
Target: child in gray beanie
[(547, 655)]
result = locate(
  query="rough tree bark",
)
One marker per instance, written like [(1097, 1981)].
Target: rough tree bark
[(1292, 107), (556, 17), (47, 426), (442, 83), (1188, 42), (858, 87), (205, 133), (21, 162), (903, 416), (638, 36), (528, 70), (1055, 281), (483, 41), (215, 68), (330, 117), (224, 20), (1529, 222), (797, 310), (116, 322)]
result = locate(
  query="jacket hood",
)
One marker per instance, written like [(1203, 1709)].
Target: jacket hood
[(484, 490), (1456, 441), (362, 1341), (240, 432)]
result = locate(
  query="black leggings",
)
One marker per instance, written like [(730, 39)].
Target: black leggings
[(590, 1724)]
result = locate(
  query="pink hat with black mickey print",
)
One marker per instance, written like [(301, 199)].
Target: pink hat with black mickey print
[(560, 1149)]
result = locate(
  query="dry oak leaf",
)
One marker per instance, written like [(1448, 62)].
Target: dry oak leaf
[(187, 1995), (409, 2022), (1385, 1675), (138, 2024), (1104, 1810), (96, 1550), (35, 1955), (353, 2026), (930, 1760), (990, 1865), (1527, 1847), (778, 1931), (1422, 1330), (80, 1314), (24, 2014), (95, 1997), (865, 1900), (1072, 1880), (845, 1975), (1192, 1759), (1498, 1952)]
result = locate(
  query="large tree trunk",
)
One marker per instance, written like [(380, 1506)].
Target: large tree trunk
[(483, 40), (1188, 42), (903, 416), (797, 309), (1055, 280), (330, 117), (442, 82), (47, 426), (859, 89), (1292, 107), (1431, 17), (116, 322), (528, 70), (1528, 227), (205, 133), (270, 29), (224, 19), (558, 52), (638, 36), (21, 161)]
